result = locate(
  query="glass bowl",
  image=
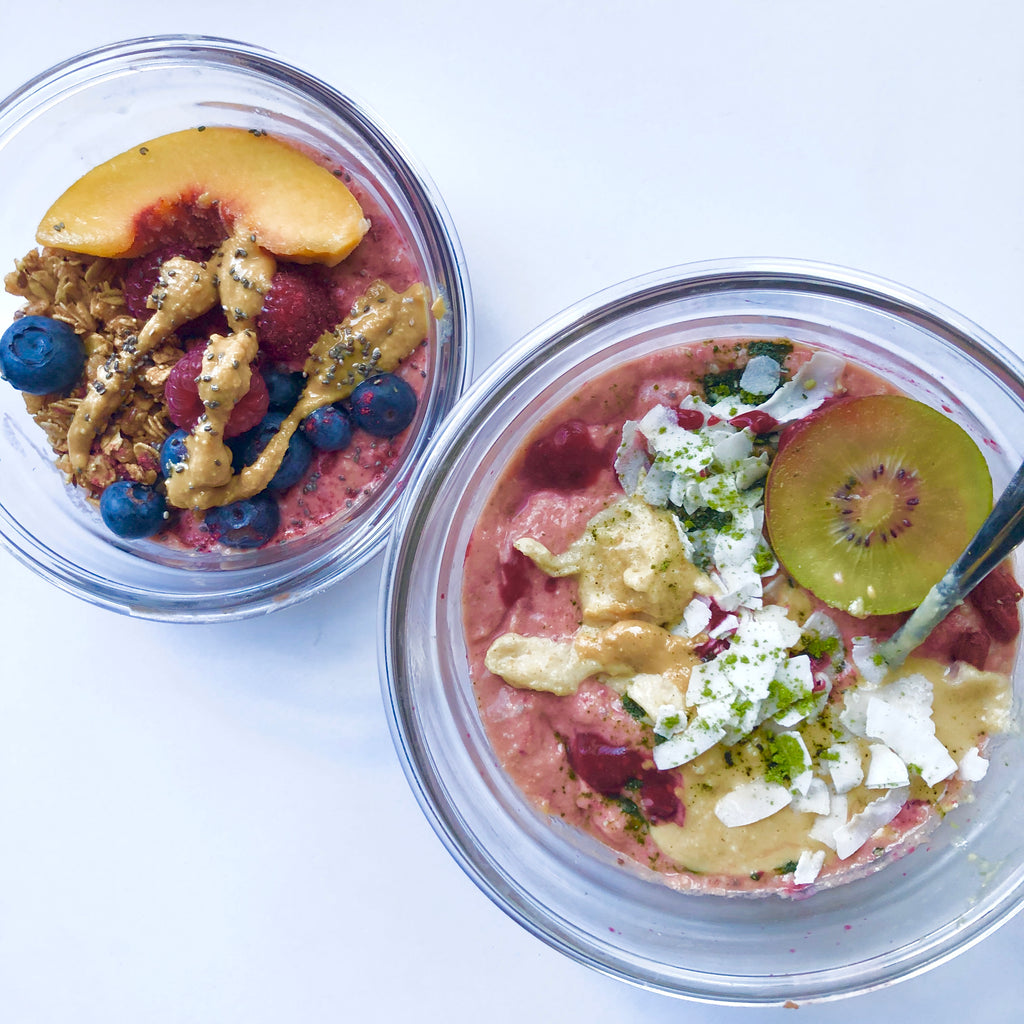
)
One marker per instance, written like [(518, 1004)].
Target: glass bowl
[(563, 886), (77, 115)]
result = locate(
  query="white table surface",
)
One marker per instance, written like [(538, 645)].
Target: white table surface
[(208, 823)]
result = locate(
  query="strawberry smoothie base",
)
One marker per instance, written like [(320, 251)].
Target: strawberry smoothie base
[(604, 699)]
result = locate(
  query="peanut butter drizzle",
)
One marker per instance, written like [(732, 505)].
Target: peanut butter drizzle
[(186, 290), (244, 273), (617, 655), (632, 647), (629, 562), (382, 329), (224, 379), (633, 579)]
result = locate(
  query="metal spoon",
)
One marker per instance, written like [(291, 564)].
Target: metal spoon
[(1001, 532)]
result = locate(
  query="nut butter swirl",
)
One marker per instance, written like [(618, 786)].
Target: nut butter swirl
[(382, 329), (186, 290)]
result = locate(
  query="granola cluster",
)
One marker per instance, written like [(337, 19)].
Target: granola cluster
[(86, 292)]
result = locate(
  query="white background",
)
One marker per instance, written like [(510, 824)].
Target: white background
[(209, 824)]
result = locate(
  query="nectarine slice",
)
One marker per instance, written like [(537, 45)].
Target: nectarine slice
[(295, 208)]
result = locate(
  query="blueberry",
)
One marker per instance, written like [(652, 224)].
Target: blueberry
[(383, 405), (173, 451), (239, 446), (283, 386), (40, 355), (296, 459), (248, 523), (132, 510), (328, 428)]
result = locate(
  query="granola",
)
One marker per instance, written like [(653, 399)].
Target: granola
[(87, 293)]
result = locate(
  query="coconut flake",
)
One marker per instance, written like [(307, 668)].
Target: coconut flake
[(808, 866), (825, 828), (820, 626), (631, 461), (816, 800), (732, 449), (869, 662), (655, 486), (973, 767), (855, 710), (682, 451), (750, 470), (696, 616), (734, 549), (739, 587), (655, 692), (861, 827), (815, 381), (792, 691), (844, 766), (801, 781), (886, 769), (909, 730), (761, 375), (727, 625), (700, 735), (752, 801)]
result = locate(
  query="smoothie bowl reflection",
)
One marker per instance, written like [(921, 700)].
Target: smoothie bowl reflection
[(663, 554), (234, 337)]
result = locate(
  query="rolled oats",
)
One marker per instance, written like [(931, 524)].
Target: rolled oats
[(87, 293)]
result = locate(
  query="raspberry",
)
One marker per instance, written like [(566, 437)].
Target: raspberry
[(690, 419), (185, 407), (205, 326), (143, 274), (566, 459), (759, 422), (996, 598), (296, 311), (514, 577), (971, 646)]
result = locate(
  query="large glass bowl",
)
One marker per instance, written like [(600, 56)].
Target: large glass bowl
[(77, 115), (913, 914)]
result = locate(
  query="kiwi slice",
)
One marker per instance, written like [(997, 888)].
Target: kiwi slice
[(870, 500)]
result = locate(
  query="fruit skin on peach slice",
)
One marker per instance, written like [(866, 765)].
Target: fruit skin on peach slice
[(296, 209)]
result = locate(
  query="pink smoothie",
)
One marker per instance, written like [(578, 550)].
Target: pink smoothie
[(587, 758)]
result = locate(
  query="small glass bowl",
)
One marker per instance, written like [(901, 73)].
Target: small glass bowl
[(562, 885), (77, 115)]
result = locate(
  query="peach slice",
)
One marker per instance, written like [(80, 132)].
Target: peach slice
[(296, 209)]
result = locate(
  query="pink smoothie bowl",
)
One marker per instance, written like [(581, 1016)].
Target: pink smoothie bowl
[(571, 891), (77, 115)]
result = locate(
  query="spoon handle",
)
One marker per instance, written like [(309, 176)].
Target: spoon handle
[(1001, 532)]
